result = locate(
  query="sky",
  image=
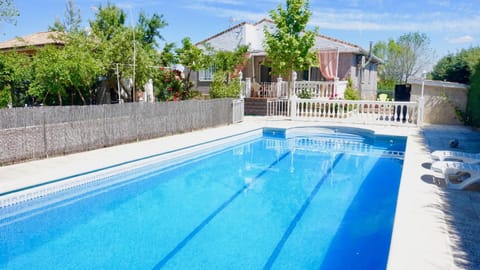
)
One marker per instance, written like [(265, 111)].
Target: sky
[(451, 25)]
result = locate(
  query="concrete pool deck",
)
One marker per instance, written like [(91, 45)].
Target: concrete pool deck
[(435, 228)]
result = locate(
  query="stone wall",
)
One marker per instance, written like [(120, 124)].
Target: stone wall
[(442, 99)]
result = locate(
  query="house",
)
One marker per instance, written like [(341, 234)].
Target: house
[(30, 43), (353, 62)]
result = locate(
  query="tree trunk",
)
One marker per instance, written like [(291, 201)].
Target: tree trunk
[(81, 96)]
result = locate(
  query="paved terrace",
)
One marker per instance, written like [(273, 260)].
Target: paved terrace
[(435, 228)]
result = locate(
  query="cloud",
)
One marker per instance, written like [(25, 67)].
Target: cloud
[(353, 19), (460, 40), (224, 12), (224, 2)]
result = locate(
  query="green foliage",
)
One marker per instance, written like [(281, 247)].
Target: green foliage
[(168, 56), (8, 11), (410, 54), (220, 88), (50, 76), (305, 94), (289, 47), (149, 28), (192, 57), (65, 76), (108, 21), (350, 92), (15, 77), (131, 49), (71, 22), (457, 67), (386, 85), (473, 106)]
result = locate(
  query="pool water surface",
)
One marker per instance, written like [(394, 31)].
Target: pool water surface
[(299, 200)]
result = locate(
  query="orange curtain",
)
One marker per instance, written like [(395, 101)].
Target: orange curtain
[(328, 60)]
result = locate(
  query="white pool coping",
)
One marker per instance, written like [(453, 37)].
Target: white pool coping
[(419, 240)]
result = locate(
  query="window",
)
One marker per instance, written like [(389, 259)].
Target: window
[(206, 75)]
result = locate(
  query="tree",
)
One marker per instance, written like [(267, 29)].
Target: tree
[(409, 55), (71, 22), (230, 63), (168, 56), (289, 47), (192, 57), (457, 67), (131, 49), (473, 105), (227, 66), (51, 76), (15, 76), (149, 28), (8, 11)]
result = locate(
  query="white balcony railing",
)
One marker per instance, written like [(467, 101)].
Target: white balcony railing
[(352, 111), (314, 89)]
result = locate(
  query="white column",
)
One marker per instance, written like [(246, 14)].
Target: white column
[(279, 86), (242, 90), (335, 88), (248, 87), (293, 106), (421, 101), (294, 78)]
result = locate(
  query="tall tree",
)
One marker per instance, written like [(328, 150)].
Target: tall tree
[(71, 21), (8, 11), (108, 21), (15, 76), (289, 48), (457, 67), (51, 75), (409, 55), (473, 106), (191, 57), (131, 49), (149, 28)]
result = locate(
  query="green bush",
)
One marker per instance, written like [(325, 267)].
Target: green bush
[(473, 105), (169, 86), (220, 88), (305, 94), (351, 93)]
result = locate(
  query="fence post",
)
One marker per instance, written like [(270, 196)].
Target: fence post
[(294, 78), (293, 106), (242, 90), (248, 86), (279, 86), (421, 106)]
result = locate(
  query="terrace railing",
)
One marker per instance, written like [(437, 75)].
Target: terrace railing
[(351, 111), (314, 89)]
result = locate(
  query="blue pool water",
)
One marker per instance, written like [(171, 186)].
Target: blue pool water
[(304, 200)]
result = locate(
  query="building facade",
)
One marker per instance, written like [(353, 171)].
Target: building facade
[(353, 62)]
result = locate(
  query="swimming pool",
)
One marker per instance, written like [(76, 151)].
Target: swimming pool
[(305, 198)]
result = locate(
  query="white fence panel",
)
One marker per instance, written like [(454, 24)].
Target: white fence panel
[(351, 111)]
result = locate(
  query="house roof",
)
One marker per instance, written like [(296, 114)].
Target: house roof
[(37, 40), (252, 34)]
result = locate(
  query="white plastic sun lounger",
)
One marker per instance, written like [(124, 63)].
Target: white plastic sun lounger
[(456, 156), (458, 175)]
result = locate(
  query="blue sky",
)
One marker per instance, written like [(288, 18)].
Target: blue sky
[(450, 24)]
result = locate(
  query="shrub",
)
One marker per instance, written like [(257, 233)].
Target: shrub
[(305, 94), (169, 86), (351, 93), (220, 88), (473, 105)]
